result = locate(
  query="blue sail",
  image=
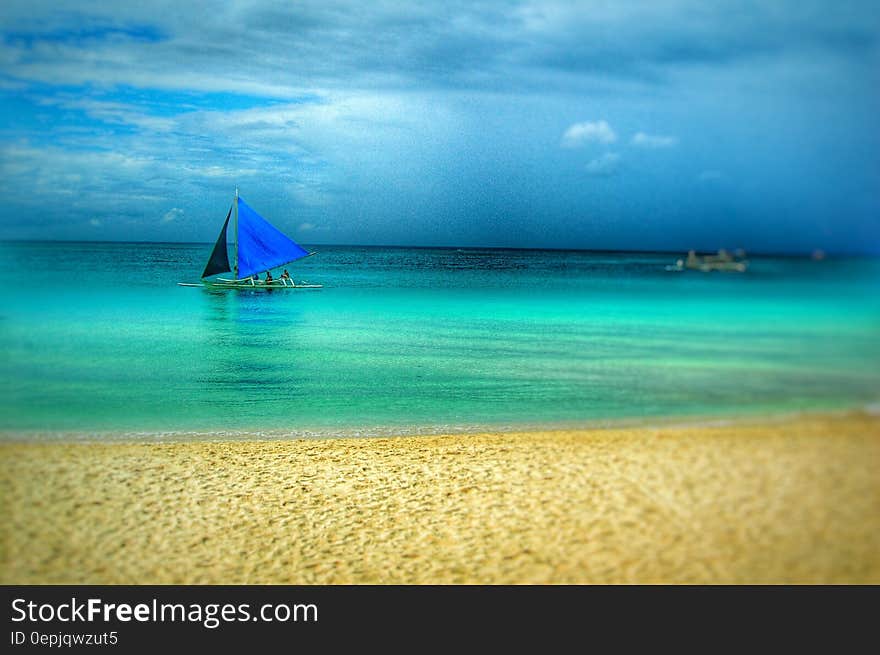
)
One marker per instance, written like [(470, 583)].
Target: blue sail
[(260, 245)]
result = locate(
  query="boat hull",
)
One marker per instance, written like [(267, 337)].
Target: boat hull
[(249, 285)]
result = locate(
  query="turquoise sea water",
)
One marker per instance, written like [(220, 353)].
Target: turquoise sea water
[(98, 337)]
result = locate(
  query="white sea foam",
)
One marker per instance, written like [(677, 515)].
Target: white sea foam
[(391, 431)]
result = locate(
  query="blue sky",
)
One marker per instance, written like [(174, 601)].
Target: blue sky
[(624, 125)]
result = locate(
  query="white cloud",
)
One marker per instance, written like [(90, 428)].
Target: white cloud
[(397, 45), (172, 214), (113, 113), (95, 222), (607, 164), (580, 134), (306, 227), (305, 152), (642, 140)]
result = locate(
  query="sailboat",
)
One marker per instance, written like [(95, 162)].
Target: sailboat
[(258, 247), (723, 261)]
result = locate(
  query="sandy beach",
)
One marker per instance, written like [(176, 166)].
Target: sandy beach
[(757, 501)]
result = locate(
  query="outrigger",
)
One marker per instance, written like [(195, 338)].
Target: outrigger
[(258, 247)]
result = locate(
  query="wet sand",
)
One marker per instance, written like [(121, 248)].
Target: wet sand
[(769, 501)]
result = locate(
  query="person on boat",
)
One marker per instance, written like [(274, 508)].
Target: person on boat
[(269, 279), (285, 275)]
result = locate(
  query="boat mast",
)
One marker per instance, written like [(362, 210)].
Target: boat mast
[(235, 229)]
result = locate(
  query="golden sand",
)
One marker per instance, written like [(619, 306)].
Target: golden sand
[(777, 501)]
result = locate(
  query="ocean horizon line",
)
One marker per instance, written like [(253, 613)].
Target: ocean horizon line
[(647, 251)]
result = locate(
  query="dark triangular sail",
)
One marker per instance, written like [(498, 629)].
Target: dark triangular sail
[(219, 261), (260, 245)]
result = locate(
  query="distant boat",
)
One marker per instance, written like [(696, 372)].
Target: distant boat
[(258, 247), (723, 261)]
